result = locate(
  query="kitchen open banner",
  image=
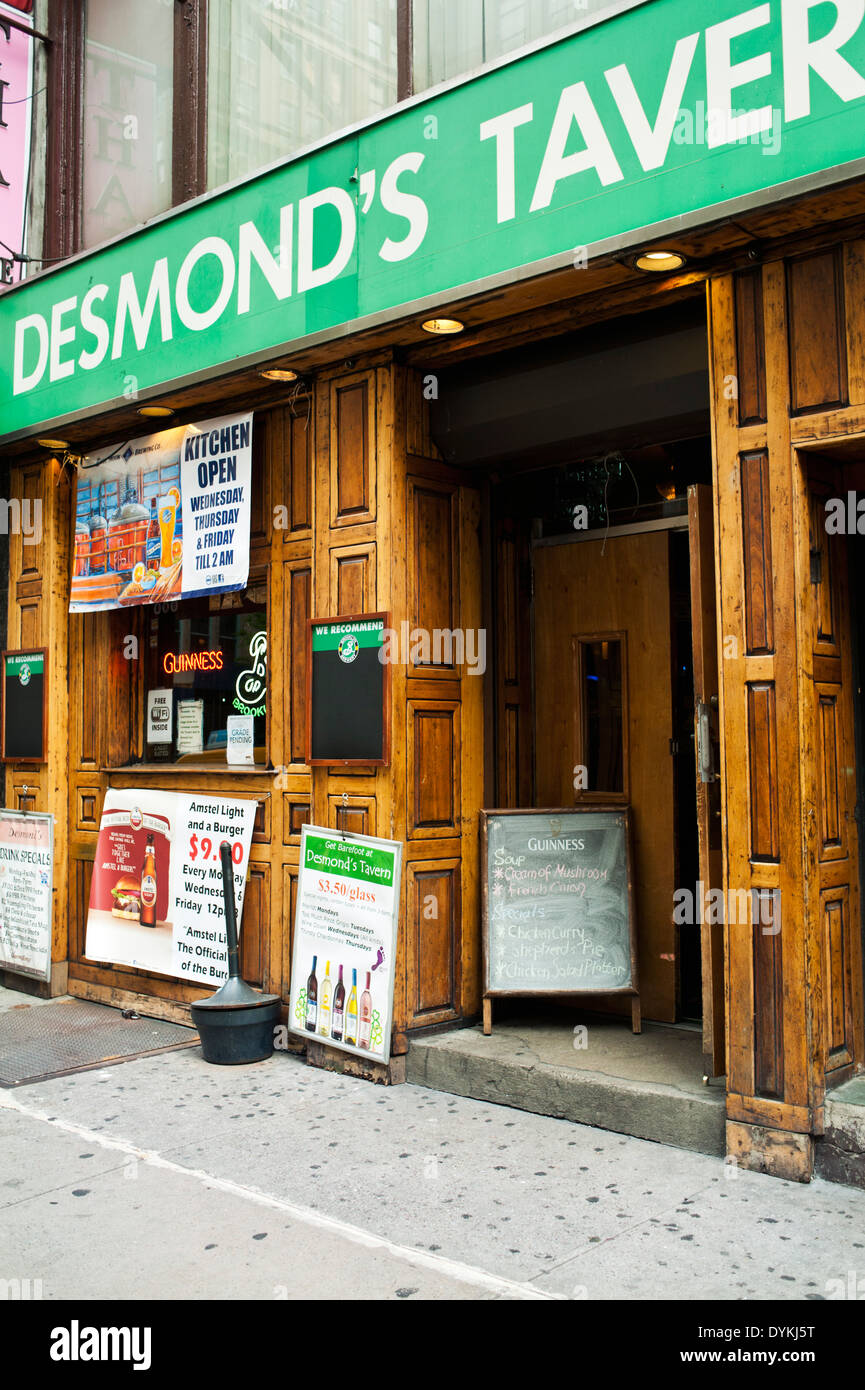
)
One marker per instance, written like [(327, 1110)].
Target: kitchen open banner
[(164, 517)]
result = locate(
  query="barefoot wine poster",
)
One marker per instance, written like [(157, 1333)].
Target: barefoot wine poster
[(345, 930)]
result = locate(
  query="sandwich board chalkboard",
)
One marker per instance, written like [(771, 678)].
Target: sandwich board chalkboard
[(347, 696), (24, 706), (558, 913)]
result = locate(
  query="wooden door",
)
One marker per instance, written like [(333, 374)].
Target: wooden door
[(831, 824), (602, 624), (704, 640)]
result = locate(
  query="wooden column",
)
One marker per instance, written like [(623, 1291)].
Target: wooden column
[(397, 531), (37, 617)]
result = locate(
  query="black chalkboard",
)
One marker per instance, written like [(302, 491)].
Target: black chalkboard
[(24, 708), (347, 704), (558, 902)]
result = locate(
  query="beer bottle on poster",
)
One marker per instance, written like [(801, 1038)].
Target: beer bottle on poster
[(312, 998), (324, 1011), (365, 1015), (338, 1009), (147, 917), (351, 1013)]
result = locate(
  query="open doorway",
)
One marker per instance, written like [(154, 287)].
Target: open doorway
[(611, 585)]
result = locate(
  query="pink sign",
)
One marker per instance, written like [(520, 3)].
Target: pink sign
[(16, 91)]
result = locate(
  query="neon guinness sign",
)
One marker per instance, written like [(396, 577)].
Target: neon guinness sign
[(174, 662)]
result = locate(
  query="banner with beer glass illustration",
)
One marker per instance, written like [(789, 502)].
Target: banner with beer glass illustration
[(156, 893), (345, 927), (164, 517)]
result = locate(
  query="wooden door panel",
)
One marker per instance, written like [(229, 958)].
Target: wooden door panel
[(704, 643), (835, 836), (621, 587)]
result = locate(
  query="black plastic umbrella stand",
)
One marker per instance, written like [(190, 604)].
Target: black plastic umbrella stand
[(236, 1024)]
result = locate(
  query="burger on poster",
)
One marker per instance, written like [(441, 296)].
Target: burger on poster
[(126, 894)]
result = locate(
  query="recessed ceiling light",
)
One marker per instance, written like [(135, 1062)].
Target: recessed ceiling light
[(158, 412), (660, 262), (278, 374), (443, 326), (53, 443)]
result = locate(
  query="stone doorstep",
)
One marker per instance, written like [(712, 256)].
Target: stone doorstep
[(645, 1109), (840, 1153)]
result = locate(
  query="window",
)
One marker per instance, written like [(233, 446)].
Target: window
[(452, 38), (309, 68), (601, 713), (205, 662), (182, 96), (128, 108)]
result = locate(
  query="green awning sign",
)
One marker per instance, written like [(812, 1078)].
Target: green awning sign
[(652, 119)]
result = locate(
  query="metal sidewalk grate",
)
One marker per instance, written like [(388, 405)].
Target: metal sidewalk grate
[(72, 1035)]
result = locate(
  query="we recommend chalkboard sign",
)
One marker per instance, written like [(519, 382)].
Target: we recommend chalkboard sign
[(558, 904), (347, 696), (24, 706)]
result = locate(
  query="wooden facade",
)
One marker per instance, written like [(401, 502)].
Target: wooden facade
[(355, 512), (351, 513)]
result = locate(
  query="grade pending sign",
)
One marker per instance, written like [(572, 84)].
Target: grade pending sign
[(650, 121), (156, 893), (345, 932), (26, 885)]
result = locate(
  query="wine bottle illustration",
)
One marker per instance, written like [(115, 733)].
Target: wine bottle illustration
[(351, 1013), (326, 999), (338, 1009), (365, 1015), (312, 998)]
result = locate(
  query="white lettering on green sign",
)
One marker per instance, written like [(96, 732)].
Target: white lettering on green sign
[(571, 145)]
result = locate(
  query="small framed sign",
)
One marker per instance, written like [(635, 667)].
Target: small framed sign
[(348, 719), (26, 887), (24, 719)]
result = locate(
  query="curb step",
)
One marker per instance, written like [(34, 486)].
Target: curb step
[(454, 1062)]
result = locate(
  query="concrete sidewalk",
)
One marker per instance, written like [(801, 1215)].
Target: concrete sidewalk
[(164, 1177)]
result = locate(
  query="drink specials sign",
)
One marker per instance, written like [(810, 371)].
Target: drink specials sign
[(557, 902), (156, 892), (16, 105), (26, 872), (345, 928), (164, 517), (654, 119)]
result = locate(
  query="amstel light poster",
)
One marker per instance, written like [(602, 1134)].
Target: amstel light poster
[(156, 893), (345, 931), (164, 517)]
